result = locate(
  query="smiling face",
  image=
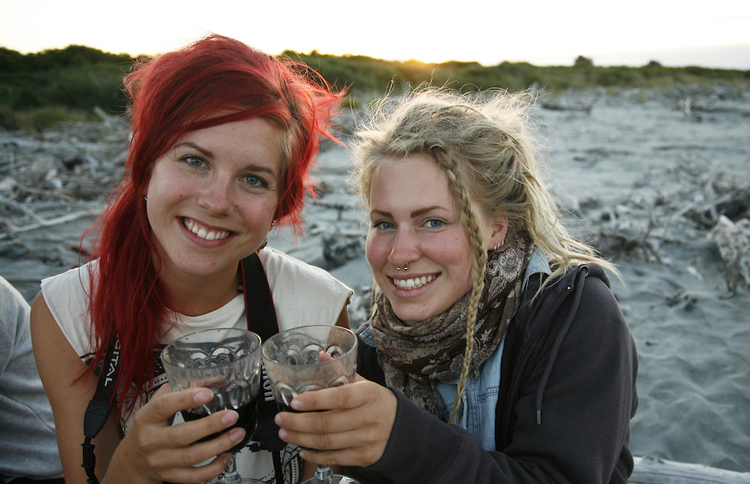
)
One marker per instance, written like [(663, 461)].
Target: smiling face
[(212, 197), (414, 219)]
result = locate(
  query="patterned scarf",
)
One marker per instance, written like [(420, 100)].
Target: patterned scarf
[(414, 355)]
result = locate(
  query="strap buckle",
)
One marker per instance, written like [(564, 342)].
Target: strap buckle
[(89, 461)]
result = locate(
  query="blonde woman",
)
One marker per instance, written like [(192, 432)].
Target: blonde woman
[(496, 351)]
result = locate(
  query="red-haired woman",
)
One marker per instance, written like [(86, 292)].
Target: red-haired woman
[(222, 139)]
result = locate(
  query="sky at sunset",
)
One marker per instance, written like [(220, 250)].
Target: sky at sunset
[(543, 32)]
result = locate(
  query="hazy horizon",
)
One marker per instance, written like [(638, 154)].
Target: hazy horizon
[(546, 32), (735, 57)]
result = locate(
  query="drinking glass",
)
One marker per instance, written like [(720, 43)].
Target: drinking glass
[(226, 361), (294, 365)]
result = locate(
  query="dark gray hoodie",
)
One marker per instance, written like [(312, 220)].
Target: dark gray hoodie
[(567, 394)]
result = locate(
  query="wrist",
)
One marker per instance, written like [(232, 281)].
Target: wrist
[(122, 471)]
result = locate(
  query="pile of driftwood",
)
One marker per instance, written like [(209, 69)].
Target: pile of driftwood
[(53, 177), (733, 241), (704, 205)]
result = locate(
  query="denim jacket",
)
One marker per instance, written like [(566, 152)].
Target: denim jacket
[(477, 410)]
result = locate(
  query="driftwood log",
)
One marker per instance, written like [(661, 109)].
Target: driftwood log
[(733, 241), (650, 470)]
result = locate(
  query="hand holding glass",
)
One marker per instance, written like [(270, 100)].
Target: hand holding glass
[(226, 361), (310, 358)]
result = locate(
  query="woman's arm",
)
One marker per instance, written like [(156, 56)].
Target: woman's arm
[(59, 368), (153, 451)]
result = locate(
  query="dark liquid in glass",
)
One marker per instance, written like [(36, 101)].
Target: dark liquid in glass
[(248, 420)]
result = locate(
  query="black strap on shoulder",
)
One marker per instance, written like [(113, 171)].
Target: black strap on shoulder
[(100, 407), (261, 319), (259, 310)]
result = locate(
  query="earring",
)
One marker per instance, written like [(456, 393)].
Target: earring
[(145, 198)]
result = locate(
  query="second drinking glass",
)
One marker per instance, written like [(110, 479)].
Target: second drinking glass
[(310, 358)]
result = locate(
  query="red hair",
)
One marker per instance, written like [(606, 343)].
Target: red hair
[(210, 82)]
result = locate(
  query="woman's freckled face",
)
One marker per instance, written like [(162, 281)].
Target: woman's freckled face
[(212, 197), (414, 219)]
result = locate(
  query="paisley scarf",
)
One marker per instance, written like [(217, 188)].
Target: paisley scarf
[(415, 354)]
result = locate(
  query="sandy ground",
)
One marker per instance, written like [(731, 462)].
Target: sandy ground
[(619, 163), (693, 343)]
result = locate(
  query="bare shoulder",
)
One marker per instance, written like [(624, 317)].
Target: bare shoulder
[(69, 390), (48, 339), (59, 366)]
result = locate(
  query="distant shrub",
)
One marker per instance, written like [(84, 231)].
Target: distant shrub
[(79, 79), (39, 119), (582, 61), (51, 59), (7, 118), (82, 87), (12, 61)]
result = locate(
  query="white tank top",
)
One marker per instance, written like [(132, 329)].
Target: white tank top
[(302, 295)]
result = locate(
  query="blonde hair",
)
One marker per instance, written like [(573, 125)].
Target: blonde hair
[(487, 146)]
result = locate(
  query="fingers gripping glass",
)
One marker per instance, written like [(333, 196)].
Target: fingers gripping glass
[(227, 362), (311, 358)]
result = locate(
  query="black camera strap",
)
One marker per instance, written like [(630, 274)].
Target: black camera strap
[(262, 321), (100, 407)]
